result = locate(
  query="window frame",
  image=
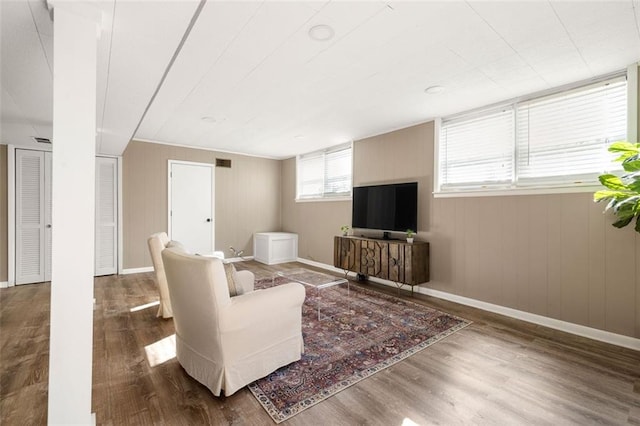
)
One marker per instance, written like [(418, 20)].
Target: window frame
[(331, 196), (479, 190)]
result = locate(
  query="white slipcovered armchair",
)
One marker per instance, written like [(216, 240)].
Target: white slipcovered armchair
[(244, 280), (228, 342), (158, 242)]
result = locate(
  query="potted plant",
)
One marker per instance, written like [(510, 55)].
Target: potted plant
[(410, 234), (623, 193), (344, 229)]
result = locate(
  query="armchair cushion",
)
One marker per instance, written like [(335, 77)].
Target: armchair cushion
[(239, 282), (230, 272), (245, 281), (173, 244)]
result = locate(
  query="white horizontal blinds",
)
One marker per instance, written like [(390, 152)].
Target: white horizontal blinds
[(563, 138), (477, 150), (325, 174), (311, 175), (337, 173)]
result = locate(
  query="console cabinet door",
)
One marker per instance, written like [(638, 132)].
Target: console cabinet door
[(373, 257), (417, 261), (396, 262), (347, 254)]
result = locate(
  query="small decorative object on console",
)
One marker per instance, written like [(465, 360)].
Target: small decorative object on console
[(344, 229), (410, 235)]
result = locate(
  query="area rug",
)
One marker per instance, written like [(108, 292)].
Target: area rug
[(358, 335)]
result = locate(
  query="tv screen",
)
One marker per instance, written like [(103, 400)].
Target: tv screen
[(386, 207)]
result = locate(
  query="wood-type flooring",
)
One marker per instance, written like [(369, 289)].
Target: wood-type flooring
[(497, 371)]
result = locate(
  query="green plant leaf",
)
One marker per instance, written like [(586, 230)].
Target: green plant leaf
[(611, 204), (634, 185), (623, 146), (631, 166), (627, 149), (623, 192), (623, 222), (625, 208), (605, 194), (612, 182)]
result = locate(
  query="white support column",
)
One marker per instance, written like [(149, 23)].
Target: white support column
[(74, 130)]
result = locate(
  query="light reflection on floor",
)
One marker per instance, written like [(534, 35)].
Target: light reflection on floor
[(161, 351), (145, 306), (409, 422)]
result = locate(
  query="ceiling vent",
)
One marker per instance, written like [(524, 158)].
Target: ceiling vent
[(222, 162), (41, 140)]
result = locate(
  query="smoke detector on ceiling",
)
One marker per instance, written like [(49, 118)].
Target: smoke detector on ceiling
[(41, 140)]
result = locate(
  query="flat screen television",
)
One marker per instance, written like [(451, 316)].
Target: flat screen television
[(386, 207)]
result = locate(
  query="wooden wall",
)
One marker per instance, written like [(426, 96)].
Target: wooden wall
[(247, 197)]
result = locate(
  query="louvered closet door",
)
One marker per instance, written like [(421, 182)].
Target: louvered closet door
[(47, 216), (106, 255), (31, 242)]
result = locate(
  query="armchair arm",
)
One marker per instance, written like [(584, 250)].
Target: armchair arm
[(262, 305), (245, 280)]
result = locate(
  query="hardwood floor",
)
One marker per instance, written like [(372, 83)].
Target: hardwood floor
[(496, 371)]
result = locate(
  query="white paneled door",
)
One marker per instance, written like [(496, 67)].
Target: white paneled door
[(33, 216), (106, 240), (191, 205)]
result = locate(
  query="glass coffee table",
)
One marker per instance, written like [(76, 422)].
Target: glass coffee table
[(314, 279)]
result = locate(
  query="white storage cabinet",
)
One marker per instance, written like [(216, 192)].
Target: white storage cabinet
[(275, 247)]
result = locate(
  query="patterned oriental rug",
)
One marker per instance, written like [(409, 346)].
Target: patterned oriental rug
[(357, 336)]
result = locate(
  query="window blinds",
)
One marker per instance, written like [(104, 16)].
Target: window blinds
[(477, 151), (311, 176), (556, 140), (324, 174), (564, 138)]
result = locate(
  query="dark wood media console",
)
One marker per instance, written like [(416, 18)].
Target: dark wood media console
[(393, 260)]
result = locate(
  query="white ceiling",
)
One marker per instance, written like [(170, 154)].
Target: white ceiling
[(273, 91)]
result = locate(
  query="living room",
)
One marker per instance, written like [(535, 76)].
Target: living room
[(550, 259)]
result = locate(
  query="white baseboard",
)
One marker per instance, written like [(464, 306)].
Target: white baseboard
[(4, 284), (128, 271), (580, 330), (325, 266), (238, 259)]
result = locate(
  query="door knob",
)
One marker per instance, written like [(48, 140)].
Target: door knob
[(49, 225), (208, 219)]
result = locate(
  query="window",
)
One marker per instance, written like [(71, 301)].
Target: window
[(557, 140), (324, 174)]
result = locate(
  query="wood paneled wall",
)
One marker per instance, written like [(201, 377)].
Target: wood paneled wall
[(247, 197), (553, 255), (4, 239)]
